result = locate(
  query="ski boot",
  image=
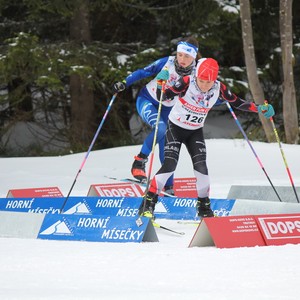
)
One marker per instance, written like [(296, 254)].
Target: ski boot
[(203, 208), (148, 205), (138, 169), (169, 190)]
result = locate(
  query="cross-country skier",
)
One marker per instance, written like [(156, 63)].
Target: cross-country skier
[(198, 93), (147, 102)]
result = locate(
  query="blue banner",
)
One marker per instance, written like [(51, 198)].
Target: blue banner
[(97, 229), (185, 208), (222, 207), (166, 208), (49, 205), (111, 206)]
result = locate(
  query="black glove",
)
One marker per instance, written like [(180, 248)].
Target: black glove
[(118, 87)]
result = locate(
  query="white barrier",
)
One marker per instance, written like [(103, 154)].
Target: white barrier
[(20, 225), (254, 207), (265, 193)]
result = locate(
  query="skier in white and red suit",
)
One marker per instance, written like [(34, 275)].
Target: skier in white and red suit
[(197, 94)]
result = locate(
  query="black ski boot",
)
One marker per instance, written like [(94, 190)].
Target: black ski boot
[(203, 208), (138, 169), (148, 205)]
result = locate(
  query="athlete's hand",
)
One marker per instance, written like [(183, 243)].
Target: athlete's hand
[(266, 109), (118, 87), (162, 77)]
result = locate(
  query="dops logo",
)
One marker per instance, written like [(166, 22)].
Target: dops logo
[(281, 227)]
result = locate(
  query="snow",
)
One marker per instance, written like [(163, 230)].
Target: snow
[(122, 59), (41, 269), (230, 7)]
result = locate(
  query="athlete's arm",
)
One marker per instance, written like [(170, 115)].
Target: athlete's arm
[(179, 88), (235, 101), (150, 70)]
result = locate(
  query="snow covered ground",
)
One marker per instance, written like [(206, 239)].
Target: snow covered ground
[(41, 269)]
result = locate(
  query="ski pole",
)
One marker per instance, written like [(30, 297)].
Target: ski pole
[(250, 145), (90, 148), (154, 141), (283, 156)]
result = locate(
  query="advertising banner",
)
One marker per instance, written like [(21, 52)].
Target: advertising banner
[(109, 206), (280, 229), (166, 208), (185, 187), (116, 190), (97, 229), (34, 205), (228, 232), (35, 192), (185, 208), (248, 231)]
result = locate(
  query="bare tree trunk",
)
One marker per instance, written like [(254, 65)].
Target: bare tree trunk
[(82, 98), (255, 87), (290, 114)]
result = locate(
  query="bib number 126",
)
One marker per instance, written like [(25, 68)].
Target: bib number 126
[(194, 119)]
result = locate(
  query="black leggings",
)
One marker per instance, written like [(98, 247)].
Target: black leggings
[(194, 141), (195, 144)]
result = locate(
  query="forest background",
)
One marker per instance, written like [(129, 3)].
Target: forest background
[(59, 59)]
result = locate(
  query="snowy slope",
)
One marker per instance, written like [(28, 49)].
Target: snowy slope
[(40, 269)]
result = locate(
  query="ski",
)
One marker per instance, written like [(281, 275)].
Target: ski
[(167, 229), (139, 222), (141, 183)]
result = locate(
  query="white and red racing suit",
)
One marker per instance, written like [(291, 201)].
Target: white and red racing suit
[(185, 126)]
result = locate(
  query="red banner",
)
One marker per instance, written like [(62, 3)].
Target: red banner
[(185, 187), (248, 231), (238, 231), (116, 190), (35, 192)]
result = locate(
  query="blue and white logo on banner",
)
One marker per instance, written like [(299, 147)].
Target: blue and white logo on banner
[(222, 207), (185, 208), (112, 206), (96, 228)]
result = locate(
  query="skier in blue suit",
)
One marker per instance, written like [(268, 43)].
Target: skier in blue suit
[(147, 103)]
